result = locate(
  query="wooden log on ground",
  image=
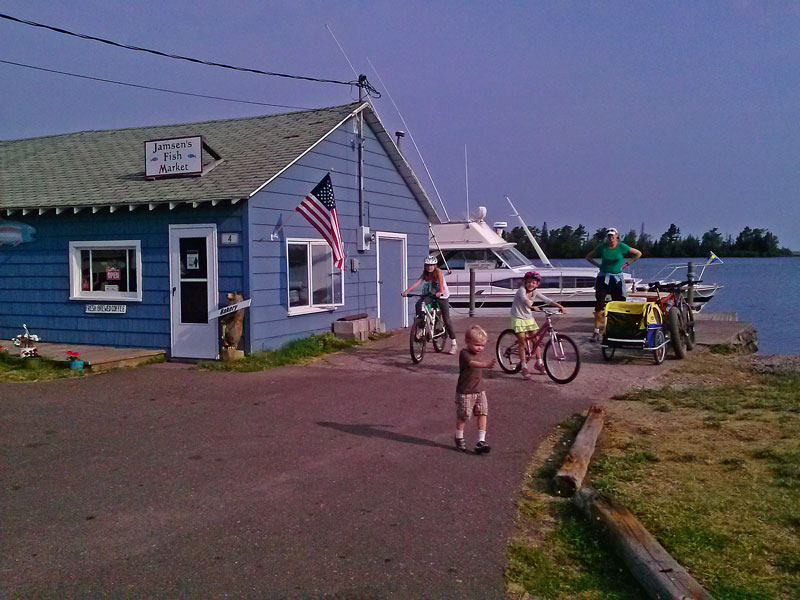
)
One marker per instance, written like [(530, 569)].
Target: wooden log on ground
[(576, 463), (657, 572)]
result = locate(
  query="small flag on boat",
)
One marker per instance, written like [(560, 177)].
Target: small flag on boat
[(713, 259), (319, 208)]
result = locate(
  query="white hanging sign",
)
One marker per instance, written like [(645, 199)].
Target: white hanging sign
[(175, 156), (226, 310)]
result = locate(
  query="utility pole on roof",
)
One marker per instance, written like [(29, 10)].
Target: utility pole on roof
[(360, 133)]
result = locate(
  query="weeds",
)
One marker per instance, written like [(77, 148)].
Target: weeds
[(13, 368), (726, 510), (294, 352)]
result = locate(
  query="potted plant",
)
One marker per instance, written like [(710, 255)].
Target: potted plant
[(75, 362)]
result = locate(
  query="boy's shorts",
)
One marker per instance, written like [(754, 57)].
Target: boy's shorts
[(522, 325), (471, 404)]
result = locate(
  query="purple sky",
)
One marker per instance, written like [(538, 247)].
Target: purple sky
[(605, 113)]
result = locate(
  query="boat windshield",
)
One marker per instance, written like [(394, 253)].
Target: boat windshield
[(512, 257)]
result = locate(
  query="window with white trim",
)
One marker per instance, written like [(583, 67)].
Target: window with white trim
[(313, 281), (106, 270)]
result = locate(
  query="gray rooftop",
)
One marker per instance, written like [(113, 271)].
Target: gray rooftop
[(106, 168)]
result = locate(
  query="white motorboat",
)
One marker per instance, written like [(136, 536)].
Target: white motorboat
[(499, 268)]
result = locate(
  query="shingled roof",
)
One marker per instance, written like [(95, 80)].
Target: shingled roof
[(101, 169)]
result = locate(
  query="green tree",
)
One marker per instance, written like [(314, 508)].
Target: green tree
[(668, 243), (712, 241), (630, 238)]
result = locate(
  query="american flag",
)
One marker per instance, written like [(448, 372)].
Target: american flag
[(319, 208)]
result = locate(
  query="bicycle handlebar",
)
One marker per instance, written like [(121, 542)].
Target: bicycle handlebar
[(672, 286)]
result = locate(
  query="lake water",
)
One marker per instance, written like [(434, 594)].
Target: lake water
[(765, 291)]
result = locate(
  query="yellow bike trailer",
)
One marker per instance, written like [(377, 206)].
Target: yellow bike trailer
[(634, 325)]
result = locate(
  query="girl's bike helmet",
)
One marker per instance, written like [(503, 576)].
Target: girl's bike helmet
[(431, 260), (533, 275)]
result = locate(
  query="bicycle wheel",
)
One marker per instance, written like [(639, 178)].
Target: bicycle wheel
[(688, 323), (561, 359), (508, 352), (416, 341), (658, 340), (439, 335), (608, 353), (676, 332)]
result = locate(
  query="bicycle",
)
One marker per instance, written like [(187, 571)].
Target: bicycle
[(561, 358), (679, 315), (429, 328)]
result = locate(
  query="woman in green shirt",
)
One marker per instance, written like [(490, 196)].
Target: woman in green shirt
[(610, 280)]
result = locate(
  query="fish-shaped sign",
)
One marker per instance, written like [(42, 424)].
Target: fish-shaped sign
[(13, 233)]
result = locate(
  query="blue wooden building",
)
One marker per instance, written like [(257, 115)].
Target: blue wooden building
[(96, 249)]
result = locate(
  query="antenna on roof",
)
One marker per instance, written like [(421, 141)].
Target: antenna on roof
[(466, 177)]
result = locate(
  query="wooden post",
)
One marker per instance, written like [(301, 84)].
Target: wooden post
[(472, 292), (657, 572), (576, 463)]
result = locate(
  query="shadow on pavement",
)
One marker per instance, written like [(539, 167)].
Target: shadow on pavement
[(373, 431)]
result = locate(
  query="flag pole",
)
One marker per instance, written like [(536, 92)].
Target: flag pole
[(274, 235)]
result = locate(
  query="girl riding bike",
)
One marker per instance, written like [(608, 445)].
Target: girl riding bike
[(432, 280), (522, 321)]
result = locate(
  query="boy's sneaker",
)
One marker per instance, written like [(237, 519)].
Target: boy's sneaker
[(482, 448), (461, 444), (453, 347), (595, 337), (539, 366)]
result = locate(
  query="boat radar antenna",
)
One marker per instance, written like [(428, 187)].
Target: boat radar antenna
[(542, 256)]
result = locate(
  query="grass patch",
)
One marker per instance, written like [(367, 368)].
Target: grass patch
[(725, 349), (13, 368), (723, 501), (294, 352), (556, 553)]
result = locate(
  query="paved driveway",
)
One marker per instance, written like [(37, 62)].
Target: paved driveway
[(334, 480)]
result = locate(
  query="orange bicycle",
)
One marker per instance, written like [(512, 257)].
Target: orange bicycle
[(561, 358)]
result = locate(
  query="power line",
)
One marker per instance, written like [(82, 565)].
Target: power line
[(147, 87), (361, 82)]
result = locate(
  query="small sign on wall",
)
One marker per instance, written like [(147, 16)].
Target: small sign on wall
[(229, 239), (102, 309)]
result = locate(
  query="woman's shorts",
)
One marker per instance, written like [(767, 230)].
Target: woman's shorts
[(522, 325), (615, 288), (471, 404)]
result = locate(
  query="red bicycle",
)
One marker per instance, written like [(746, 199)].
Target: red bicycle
[(679, 316), (561, 358)]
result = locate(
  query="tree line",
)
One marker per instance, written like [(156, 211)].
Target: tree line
[(569, 242)]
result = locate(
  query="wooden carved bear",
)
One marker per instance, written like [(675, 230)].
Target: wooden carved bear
[(232, 323)]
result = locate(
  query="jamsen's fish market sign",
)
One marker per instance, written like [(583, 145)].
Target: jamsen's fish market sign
[(176, 156)]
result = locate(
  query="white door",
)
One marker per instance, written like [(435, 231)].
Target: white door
[(392, 279), (193, 290)]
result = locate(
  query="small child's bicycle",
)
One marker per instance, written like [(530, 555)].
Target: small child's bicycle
[(429, 328), (561, 358)]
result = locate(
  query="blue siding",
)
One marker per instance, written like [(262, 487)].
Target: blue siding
[(34, 277), (389, 206)]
